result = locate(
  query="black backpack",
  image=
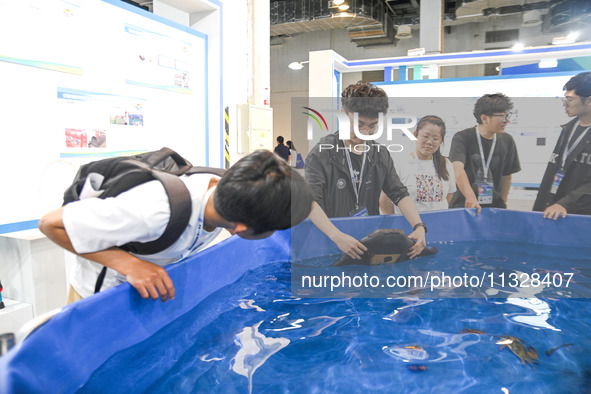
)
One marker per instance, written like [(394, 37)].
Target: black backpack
[(123, 173)]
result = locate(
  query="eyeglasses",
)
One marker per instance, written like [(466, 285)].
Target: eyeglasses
[(367, 127), (426, 138), (505, 117)]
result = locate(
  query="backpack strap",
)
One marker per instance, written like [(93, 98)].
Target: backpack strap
[(179, 200), (159, 160), (180, 213)]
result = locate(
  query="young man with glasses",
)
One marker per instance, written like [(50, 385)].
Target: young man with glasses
[(484, 156), (566, 185)]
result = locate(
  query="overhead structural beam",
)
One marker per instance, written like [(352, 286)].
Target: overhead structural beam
[(431, 26), (473, 57)]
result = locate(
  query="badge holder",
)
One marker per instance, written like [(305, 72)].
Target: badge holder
[(485, 193), (362, 211), (557, 179)]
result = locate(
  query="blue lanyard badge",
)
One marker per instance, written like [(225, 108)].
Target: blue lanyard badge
[(557, 179)]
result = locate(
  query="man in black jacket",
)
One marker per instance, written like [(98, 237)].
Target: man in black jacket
[(347, 176), (566, 185)]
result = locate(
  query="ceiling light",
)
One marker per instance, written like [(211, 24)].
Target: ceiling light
[(344, 7), (403, 32), (337, 2), (570, 38), (297, 65)]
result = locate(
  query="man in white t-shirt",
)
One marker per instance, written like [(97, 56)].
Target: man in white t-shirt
[(253, 199)]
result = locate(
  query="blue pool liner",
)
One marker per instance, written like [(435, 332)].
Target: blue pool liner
[(62, 354)]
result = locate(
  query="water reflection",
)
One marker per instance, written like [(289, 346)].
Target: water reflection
[(255, 349), (537, 318)]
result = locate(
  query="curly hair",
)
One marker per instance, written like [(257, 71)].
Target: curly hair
[(364, 98), (491, 103)]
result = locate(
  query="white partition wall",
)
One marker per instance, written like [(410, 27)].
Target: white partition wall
[(96, 79)]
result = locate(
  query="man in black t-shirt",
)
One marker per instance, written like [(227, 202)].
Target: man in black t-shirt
[(484, 157), (566, 185)]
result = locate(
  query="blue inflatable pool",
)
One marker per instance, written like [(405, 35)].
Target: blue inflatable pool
[(62, 354)]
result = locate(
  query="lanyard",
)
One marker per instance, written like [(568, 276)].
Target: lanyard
[(357, 189), (486, 165), (567, 151)]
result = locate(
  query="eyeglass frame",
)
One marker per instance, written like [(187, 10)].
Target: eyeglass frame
[(506, 117), (434, 139)]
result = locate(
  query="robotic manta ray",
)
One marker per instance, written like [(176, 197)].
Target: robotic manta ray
[(384, 246)]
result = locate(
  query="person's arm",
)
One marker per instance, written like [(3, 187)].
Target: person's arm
[(452, 187), (347, 244), (386, 205), (150, 280), (579, 197), (408, 209), (505, 187), (465, 186)]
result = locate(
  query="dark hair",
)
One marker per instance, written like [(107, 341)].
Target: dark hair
[(262, 192), (581, 84), (438, 159), (280, 139), (491, 103), (290, 145), (365, 99)]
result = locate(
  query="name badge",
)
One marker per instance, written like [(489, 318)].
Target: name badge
[(557, 179), (359, 212), (485, 193)]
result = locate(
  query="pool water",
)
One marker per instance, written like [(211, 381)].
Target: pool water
[(263, 340)]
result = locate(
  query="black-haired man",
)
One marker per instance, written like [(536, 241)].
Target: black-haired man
[(484, 157), (348, 178), (281, 149), (566, 185), (256, 196)]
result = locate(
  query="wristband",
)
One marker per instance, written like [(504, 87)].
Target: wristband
[(420, 224)]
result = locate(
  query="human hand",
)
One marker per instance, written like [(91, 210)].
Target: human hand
[(473, 203), (554, 211), (419, 236), (150, 280), (349, 245)]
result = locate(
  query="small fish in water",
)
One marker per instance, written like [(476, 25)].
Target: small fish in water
[(549, 352), (524, 351), (416, 347), (417, 368), (472, 331)]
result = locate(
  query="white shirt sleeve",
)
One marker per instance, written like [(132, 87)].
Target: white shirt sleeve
[(137, 215)]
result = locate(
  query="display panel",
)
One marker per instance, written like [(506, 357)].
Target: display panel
[(85, 79)]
